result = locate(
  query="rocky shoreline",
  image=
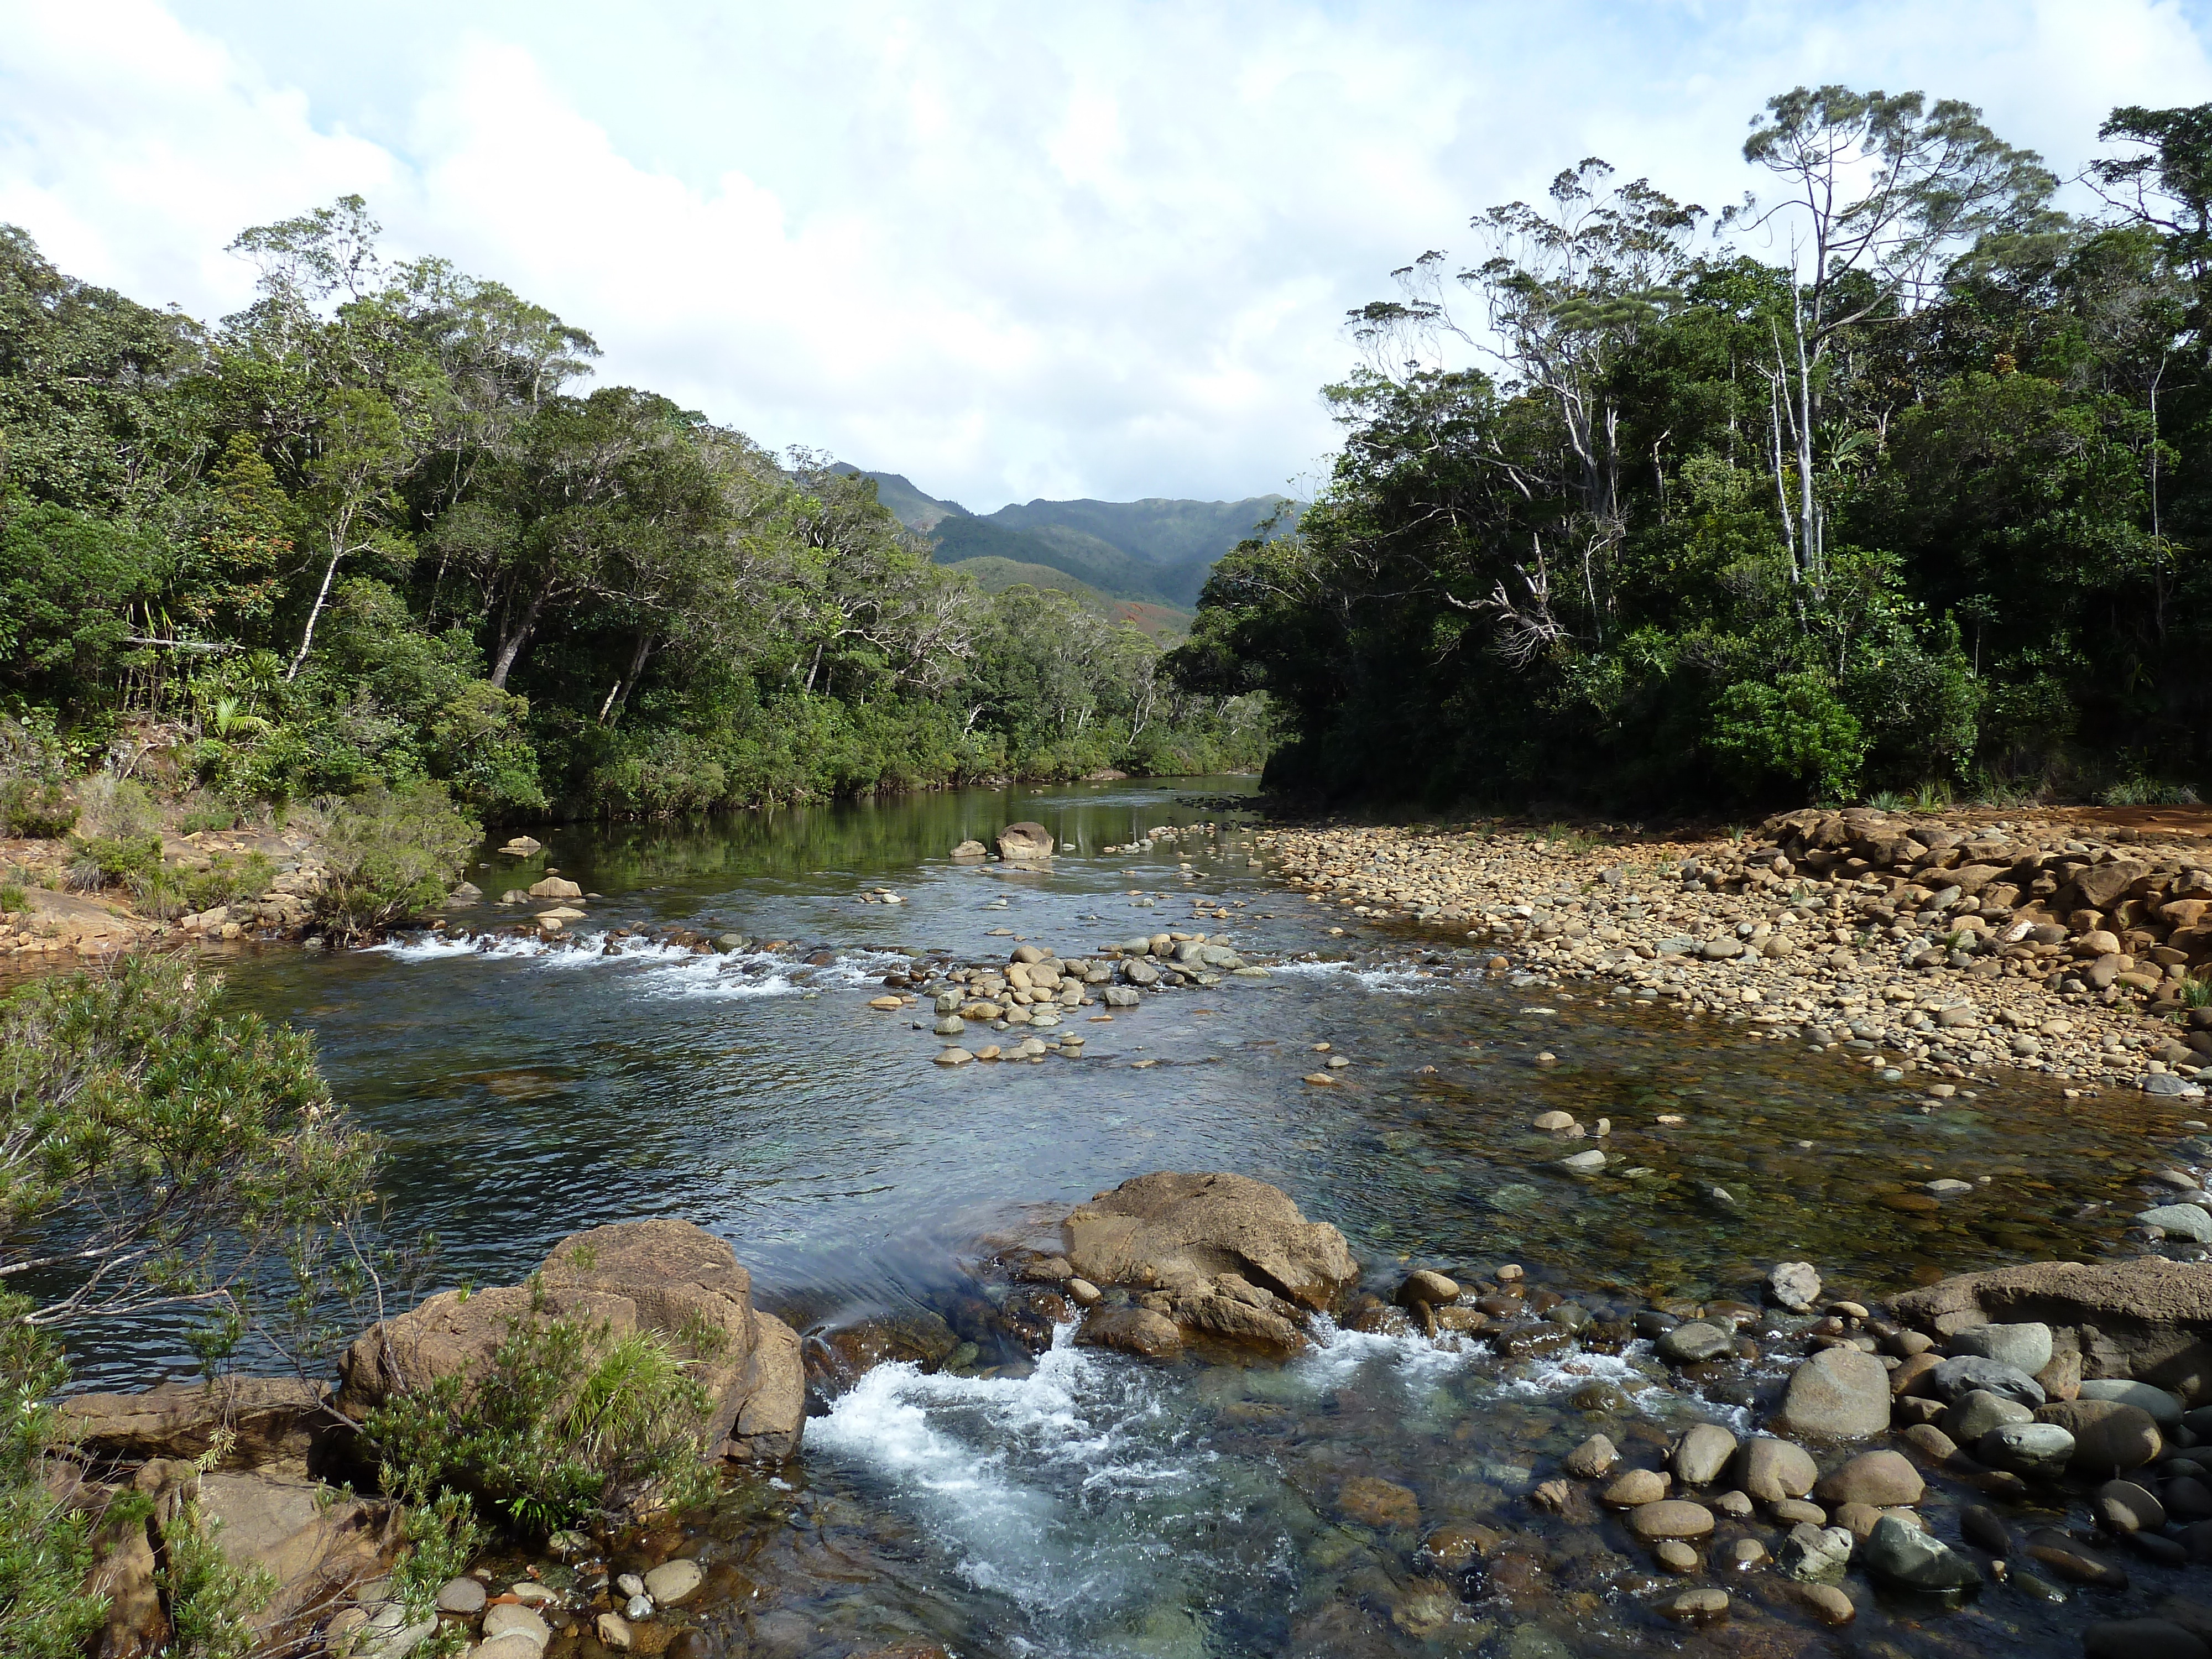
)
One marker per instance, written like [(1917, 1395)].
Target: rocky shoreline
[(1931, 943), (2028, 1427)]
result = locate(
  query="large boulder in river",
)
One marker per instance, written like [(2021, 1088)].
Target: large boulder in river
[(1228, 1256), (1029, 841), (664, 1276), (2149, 1318)]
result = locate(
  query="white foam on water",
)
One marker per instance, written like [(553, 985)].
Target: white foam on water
[(1387, 982), (431, 947), (1029, 1482), (1337, 1354)]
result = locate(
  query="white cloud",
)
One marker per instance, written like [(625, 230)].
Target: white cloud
[(1105, 252)]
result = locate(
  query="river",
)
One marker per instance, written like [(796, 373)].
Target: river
[(1091, 1505)]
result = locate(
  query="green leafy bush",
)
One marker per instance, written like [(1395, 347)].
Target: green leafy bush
[(562, 1426), (166, 1147), (38, 808), (45, 1547), (98, 861), (391, 855), (1795, 729)]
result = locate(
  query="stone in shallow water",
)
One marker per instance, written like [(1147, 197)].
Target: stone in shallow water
[(2039, 1451), (1592, 1458), (1769, 1470), (1955, 1378), (1839, 1392), (461, 1596), (1695, 1343), (1977, 1413), (1698, 1605), (1902, 1554), (2109, 1437), (1826, 1602), (671, 1581), (1881, 1479), (1702, 1453), (2180, 1221), (1672, 1517), (1635, 1488), (1795, 1286), (1814, 1554), (1377, 1502), (2123, 1506), (2164, 1410)]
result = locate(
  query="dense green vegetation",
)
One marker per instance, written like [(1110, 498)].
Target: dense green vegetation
[(156, 1153), (1929, 511), (366, 534)]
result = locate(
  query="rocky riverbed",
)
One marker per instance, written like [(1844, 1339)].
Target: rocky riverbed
[(1953, 945)]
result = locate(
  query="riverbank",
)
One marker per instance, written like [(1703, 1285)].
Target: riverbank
[(1949, 944)]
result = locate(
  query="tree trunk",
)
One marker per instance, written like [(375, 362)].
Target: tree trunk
[(510, 648), (314, 612), (620, 693)]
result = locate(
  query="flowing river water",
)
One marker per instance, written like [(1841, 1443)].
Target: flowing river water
[(1089, 1503)]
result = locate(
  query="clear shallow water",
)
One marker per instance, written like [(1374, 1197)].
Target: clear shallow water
[(1093, 1505)]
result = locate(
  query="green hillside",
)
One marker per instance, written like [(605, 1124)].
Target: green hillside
[(995, 575), (1155, 552)]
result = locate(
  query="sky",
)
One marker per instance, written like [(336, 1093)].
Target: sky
[(1009, 251)]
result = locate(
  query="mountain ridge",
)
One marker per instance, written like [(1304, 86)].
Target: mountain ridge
[(1155, 550)]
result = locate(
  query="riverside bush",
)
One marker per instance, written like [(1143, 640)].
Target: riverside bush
[(391, 855), (38, 808), (561, 1426), (161, 1151)]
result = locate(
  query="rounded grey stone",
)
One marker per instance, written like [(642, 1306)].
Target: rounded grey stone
[(2024, 1348)]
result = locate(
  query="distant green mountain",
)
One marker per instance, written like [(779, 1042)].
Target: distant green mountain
[(1155, 552), (1180, 540), (995, 575), (908, 505)]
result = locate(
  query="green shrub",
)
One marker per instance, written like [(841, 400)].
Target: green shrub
[(162, 1149), (442, 1538), (1795, 729), (98, 861), (391, 855), (13, 899), (45, 1547), (209, 1600), (562, 1426), (117, 809), (229, 880), (208, 815), (38, 808)]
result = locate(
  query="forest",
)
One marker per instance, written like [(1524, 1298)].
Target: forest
[(374, 532), (1892, 483)]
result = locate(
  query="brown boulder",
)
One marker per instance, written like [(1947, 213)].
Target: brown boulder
[(1138, 1331), (2109, 1438), (1379, 1504), (315, 1541), (1880, 1479), (1029, 842), (664, 1276), (1176, 1231), (2149, 1318), (268, 1418)]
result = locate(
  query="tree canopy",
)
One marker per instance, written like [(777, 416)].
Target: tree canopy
[(1894, 481)]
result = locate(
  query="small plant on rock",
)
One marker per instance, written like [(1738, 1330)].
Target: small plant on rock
[(562, 1426)]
